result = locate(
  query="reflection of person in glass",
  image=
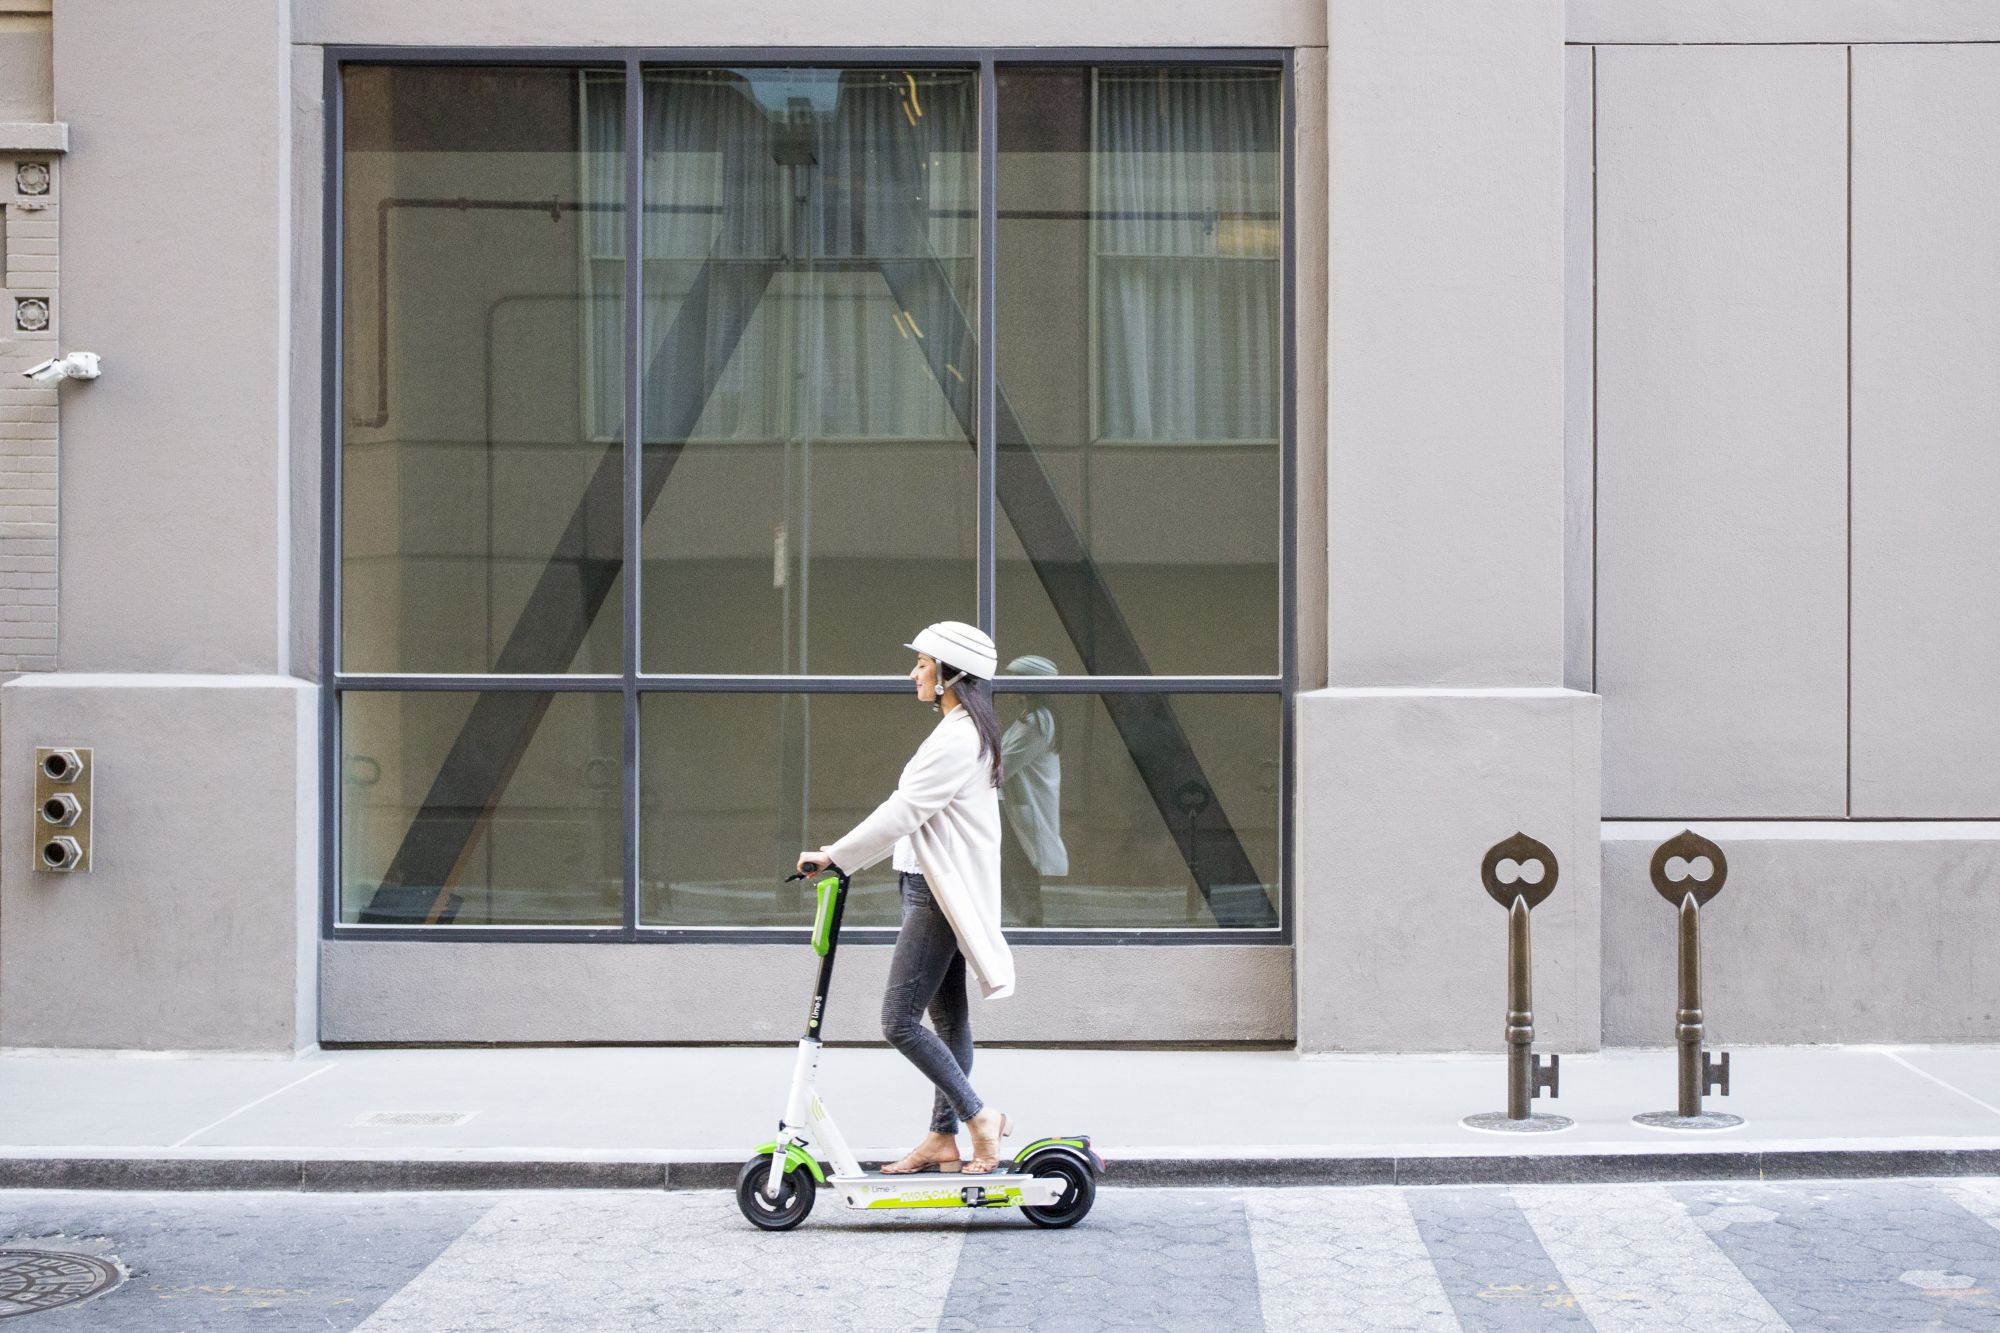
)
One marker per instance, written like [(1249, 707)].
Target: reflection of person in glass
[(943, 824), (1031, 844)]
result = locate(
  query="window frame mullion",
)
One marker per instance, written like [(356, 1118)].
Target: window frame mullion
[(988, 375), (634, 326)]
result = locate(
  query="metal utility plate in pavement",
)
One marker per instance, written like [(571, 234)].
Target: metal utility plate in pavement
[(32, 1281)]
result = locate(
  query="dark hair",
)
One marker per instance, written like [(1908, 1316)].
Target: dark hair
[(975, 696)]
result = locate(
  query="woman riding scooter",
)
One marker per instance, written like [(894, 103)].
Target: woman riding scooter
[(941, 828)]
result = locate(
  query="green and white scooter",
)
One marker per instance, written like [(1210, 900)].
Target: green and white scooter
[(1052, 1181)]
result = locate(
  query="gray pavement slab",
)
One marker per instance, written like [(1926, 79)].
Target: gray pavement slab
[(1491, 1264), (1969, 1071), (199, 1261), (1193, 1264), (133, 1100), (1888, 1254)]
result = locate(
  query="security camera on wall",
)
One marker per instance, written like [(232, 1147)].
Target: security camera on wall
[(75, 366)]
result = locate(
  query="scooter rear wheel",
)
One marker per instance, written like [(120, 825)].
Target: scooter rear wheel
[(795, 1195), (1079, 1191)]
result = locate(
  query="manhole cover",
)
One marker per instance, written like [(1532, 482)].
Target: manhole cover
[(36, 1280)]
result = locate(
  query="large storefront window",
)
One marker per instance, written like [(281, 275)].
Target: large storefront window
[(783, 421)]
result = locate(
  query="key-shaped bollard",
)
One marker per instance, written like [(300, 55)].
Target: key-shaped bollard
[(1527, 1073), (1700, 1071)]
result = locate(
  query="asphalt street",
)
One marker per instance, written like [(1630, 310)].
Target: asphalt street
[(1804, 1255)]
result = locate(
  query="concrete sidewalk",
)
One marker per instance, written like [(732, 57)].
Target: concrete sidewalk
[(647, 1117)]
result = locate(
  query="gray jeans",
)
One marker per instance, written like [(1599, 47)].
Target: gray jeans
[(928, 972)]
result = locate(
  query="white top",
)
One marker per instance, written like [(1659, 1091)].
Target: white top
[(945, 806)]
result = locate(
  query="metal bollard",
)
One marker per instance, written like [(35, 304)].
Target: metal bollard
[(1700, 1072), (1527, 1074)]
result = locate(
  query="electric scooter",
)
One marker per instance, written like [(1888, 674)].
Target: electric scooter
[(1052, 1181)]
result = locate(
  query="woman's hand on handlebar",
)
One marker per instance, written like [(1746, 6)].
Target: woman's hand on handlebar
[(811, 863)]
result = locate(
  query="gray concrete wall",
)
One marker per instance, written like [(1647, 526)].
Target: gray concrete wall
[(1785, 604), (1310, 400), (1445, 340), (470, 992), (1850, 932), (1926, 450), (176, 239), (788, 23), (193, 927), (196, 926), (305, 259), (1785, 441), (1579, 369), (1779, 21), (1400, 794), (1721, 429), (1444, 729)]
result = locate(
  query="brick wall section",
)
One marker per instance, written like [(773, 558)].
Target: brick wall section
[(28, 422)]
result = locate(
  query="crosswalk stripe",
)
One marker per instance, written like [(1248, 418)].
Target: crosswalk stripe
[(1337, 1259), (617, 1262), (1980, 1197), (1636, 1262)]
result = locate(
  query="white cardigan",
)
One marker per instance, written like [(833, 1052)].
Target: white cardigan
[(946, 805)]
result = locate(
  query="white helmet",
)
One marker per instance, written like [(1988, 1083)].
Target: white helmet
[(957, 644)]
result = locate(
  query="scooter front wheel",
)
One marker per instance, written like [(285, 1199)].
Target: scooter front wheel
[(795, 1195)]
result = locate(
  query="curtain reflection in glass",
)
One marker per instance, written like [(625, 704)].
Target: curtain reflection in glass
[(1187, 179), (1141, 352), (810, 391)]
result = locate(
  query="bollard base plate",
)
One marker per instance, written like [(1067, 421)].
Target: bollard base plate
[(1675, 1120), (1498, 1122)]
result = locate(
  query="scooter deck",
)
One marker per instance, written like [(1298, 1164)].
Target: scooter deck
[(938, 1189)]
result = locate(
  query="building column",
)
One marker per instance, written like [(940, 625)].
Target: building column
[(1445, 726), (179, 608)]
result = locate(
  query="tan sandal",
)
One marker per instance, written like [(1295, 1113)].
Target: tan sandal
[(985, 1151), (914, 1163)]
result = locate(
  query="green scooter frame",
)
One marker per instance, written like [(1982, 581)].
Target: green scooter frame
[(1052, 1181)]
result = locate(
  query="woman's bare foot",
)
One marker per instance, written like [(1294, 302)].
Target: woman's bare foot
[(987, 1129), (938, 1150)]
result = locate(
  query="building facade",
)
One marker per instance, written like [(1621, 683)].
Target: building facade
[(527, 434)]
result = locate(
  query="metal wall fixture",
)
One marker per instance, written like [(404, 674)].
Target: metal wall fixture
[(1700, 1072), (62, 808), (1527, 1074)]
